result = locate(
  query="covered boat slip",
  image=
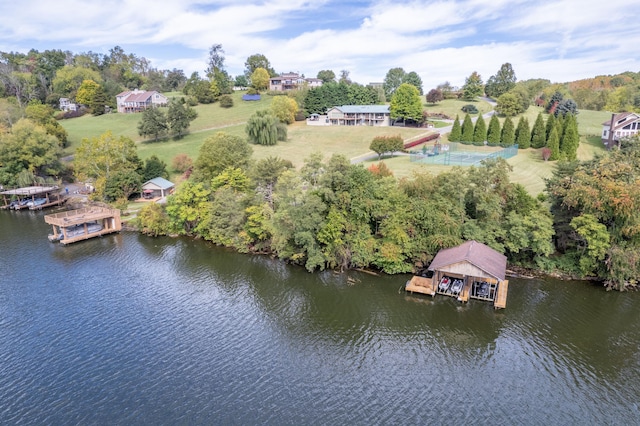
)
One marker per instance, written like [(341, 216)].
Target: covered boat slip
[(469, 271), (32, 197), (82, 224)]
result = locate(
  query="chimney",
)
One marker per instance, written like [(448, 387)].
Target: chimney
[(610, 139)]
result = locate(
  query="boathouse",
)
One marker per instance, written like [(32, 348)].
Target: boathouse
[(470, 270), (82, 224), (32, 197)]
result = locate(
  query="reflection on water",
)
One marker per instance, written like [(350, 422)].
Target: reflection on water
[(127, 329)]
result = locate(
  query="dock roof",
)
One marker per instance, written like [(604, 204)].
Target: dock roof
[(30, 190), (475, 253)]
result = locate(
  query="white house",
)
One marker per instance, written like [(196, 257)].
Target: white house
[(67, 105), (139, 100), (624, 124), (359, 115), (292, 81)]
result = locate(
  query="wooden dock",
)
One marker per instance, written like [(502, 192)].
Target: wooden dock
[(500, 301), (32, 197), (421, 285), (82, 224)]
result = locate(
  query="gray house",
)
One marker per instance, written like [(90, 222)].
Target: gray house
[(157, 188)]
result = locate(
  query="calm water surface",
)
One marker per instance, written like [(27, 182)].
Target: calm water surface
[(133, 330)]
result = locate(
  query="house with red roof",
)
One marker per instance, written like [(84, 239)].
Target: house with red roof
[(139, 100)]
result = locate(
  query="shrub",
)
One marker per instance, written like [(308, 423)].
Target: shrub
[(192, 101), (470, 109), (546, 153), (252, 91), (181, 163), (226, 101)]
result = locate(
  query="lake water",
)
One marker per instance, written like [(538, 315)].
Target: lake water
[(127, 329)]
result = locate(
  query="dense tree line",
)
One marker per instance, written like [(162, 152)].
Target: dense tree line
[(319, 99)]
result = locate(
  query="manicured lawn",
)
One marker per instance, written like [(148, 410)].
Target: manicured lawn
[(451, 107)]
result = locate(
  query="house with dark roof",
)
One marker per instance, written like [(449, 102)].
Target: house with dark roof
[(470, 270), (620, 125), (359, 115), (139, 100)]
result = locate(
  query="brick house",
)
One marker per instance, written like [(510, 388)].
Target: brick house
[(139, 100)]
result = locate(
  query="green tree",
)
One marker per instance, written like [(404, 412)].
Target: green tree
[(69, 78), (570, 138), (284, 109), (220, 151), (392, 81), (494, 132), (153, 123), (98, 158), (327, 76), (473, 87), (154, 167), (508, 136), (594, 243), (43, 116), (260, 79), (523, 134), (456, 130), (86, 92), (508, 105), (121, 185), (406, 104), (28, 147), (467, 130), (480, 131), (179, 117), (256, 61), (553, 143), (216, 70), (99, 102), (261, 128), (414, 79), (188, 209), (551, 124), (152, 220), (386, 144), (538, 135), (502, 82)]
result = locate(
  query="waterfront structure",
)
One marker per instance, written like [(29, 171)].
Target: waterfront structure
[(32, 197), (82, 224), (470, 270)]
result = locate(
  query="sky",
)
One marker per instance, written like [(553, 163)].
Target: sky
[(442, 40)]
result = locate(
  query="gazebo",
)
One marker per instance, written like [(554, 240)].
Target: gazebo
[(157, 187)]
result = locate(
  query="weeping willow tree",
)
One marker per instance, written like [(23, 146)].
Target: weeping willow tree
[(262, 128)]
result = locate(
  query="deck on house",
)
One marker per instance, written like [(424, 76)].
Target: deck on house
[(501, 298), (421, 285), (108, 219)]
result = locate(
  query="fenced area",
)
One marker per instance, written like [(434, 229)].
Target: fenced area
[(455, 154)]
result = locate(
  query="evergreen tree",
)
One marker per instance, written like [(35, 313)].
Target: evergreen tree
[(154, 167), (467, 130), (480, 131), (493, 135), (473, 87), (456, 131), (508, 136), (570, 138), (551, 124), (179, 116), (538, 135), (554, 145), (523, 134), (560, 129), (153, 123)]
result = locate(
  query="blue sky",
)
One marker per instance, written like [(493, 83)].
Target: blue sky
[(442, 40)]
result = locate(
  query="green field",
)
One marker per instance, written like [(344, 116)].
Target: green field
[(529, 168)]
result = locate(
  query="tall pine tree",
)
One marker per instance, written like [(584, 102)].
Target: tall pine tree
[(467, 130), (456, 131), (493, 135), (523, 134), (480, 131), (570, 138), (551, 124), (539, 134), (554, 145), (508, 136)]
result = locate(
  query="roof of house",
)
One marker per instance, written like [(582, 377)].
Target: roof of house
[(475, 253), (160, 182), (137, 95), (354, 109), (622, 119)]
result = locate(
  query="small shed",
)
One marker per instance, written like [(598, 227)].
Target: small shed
[(157, 187), (471, 270)]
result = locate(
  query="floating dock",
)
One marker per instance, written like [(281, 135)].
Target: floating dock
[(421, 285), (81, 224), (32, 198)]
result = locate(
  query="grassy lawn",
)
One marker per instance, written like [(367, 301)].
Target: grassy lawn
[(451, 107), (529, 168)]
